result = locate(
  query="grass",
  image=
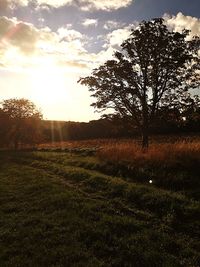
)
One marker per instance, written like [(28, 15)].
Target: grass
[(68, 209), (171, 166), (157, 153), (102, 143), (171, 163)]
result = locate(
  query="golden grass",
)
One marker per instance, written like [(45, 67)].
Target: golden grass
[(93, 143), (162, 148), (158, 153)]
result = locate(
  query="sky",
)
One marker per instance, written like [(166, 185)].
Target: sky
[(46, 46)]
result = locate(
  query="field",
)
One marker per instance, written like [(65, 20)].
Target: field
[(110, 207)]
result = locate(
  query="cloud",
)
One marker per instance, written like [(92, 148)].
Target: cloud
[(106, 5), (90, 22), (23, 46), (113, 24), (3, 5), (18, 34), (180, 22), (54, 3), (69, 35), (85, 5), (12, 4), (115, 38), (75, 64)]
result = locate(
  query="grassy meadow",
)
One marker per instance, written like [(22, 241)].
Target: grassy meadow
[(101, 203)]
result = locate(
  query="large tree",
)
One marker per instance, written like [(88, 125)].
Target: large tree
[(156, 67), (21, 121)]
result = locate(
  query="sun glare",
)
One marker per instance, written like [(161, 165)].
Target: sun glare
[(48, 84)]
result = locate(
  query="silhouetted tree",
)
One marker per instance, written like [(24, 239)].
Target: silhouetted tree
[(155, 68), (5, 127), (22, 121), (191, 115)]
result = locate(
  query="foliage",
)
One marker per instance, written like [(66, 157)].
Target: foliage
[(20, 121), (168, 121), (5, 127), (155, 68)]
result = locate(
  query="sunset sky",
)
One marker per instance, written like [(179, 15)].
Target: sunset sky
[(46, 46)]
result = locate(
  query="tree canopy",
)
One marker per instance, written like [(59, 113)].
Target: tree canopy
[(155, 68), (20, 121)]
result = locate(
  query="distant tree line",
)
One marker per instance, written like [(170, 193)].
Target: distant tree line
[(169, 121), (21, 125)]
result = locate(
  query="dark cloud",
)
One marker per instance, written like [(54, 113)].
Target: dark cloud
[(21, 35), (3, 5)]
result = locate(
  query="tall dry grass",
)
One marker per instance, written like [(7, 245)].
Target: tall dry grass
[(162, 149), (157, 153), (92, 143)]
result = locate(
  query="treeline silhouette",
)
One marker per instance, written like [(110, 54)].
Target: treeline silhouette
[(21, 125), (168, 122)]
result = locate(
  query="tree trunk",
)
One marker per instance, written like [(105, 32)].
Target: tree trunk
[(145, 141), (145, 138), (145, 123)]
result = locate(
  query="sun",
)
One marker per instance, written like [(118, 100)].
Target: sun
[(48, 84)]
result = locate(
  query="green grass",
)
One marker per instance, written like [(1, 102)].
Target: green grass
[(61, 209)]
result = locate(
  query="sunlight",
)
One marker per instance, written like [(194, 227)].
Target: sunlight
[(48, 84)]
